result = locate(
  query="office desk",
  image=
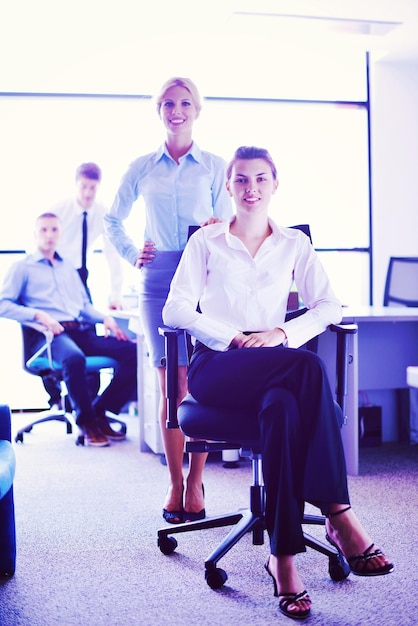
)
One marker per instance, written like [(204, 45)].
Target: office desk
[(147, 385), (385, 345)]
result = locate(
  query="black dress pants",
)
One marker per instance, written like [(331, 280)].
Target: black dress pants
[(287, 391)]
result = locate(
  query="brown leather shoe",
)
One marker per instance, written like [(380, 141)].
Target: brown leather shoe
[(94, 437), (105, 429)]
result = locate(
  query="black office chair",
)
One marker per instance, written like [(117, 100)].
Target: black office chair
[(42, 364), (401, 287), (235, 430), (226, 430)]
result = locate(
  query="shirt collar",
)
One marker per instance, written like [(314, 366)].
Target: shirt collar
[(38, 256), (79, 210), (194, 152), (223, 227)]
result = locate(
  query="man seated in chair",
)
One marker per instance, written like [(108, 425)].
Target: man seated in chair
[(46, 289)]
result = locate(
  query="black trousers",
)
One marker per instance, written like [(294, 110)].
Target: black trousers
[(287, 391), (70, 350)]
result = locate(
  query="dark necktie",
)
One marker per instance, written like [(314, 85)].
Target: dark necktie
[(83, 269)]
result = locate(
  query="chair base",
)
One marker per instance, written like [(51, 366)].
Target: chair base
[(244, 521), (60, 415), (51, 415)]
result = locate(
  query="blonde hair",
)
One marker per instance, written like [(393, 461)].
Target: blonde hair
[(177, 81)]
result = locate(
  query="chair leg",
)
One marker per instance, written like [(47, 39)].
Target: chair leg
[(215, 576), (48, 416), (114, 420), (242, 521)]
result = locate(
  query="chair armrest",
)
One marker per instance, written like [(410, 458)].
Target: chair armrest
[(343, 331), (343, 360), (171, 372), (49, 335)]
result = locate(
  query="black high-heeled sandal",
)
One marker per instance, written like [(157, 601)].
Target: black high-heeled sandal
[(173, 517), (190, 516), (359, 562), (290, 598)]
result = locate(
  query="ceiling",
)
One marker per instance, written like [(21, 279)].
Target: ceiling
[(388, 28), (111, 47), (64, 26)]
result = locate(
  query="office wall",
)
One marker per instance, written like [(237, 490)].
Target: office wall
[(394, 143)]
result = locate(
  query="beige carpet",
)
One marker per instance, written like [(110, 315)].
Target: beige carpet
[(88, 556)]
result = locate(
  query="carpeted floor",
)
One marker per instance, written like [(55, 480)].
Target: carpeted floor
[(88, 556)]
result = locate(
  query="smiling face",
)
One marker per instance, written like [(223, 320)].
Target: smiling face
[(251, 184), (178, 110)]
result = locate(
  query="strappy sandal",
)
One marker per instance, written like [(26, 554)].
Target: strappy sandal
[(359, 562), (290, 598)]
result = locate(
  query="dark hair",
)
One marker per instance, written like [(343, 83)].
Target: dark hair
[(248, 153), (89, 170)]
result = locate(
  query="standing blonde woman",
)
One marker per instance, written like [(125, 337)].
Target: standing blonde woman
[(182, 185)]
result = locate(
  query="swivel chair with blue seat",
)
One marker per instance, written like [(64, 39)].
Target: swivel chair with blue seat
[(7, 511), (42, 364), (227, 429)]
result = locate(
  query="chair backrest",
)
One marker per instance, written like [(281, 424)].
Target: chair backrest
[(401, 288), (32, 341), (41, 366)]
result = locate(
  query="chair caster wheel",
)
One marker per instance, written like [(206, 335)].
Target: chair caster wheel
[(230, 464), (69, 428), (80, 440), (338, 567), (19, 437), (167, 545), (216, 577)]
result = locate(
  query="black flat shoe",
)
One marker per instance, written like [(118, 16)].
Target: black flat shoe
[(290, 598), (173, 517), (189, 516)]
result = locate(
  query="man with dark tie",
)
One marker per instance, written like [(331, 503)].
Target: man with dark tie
[(82, 223), (83, 226)]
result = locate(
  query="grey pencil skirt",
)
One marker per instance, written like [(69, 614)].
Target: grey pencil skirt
[(155, 279)]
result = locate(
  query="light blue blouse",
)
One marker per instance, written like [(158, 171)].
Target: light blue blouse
[(176, 196)]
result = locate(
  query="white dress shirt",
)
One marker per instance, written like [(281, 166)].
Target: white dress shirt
[(70, 213), (238, 293)]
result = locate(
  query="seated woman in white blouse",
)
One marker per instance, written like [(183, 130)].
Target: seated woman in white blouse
[(240, 274)]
